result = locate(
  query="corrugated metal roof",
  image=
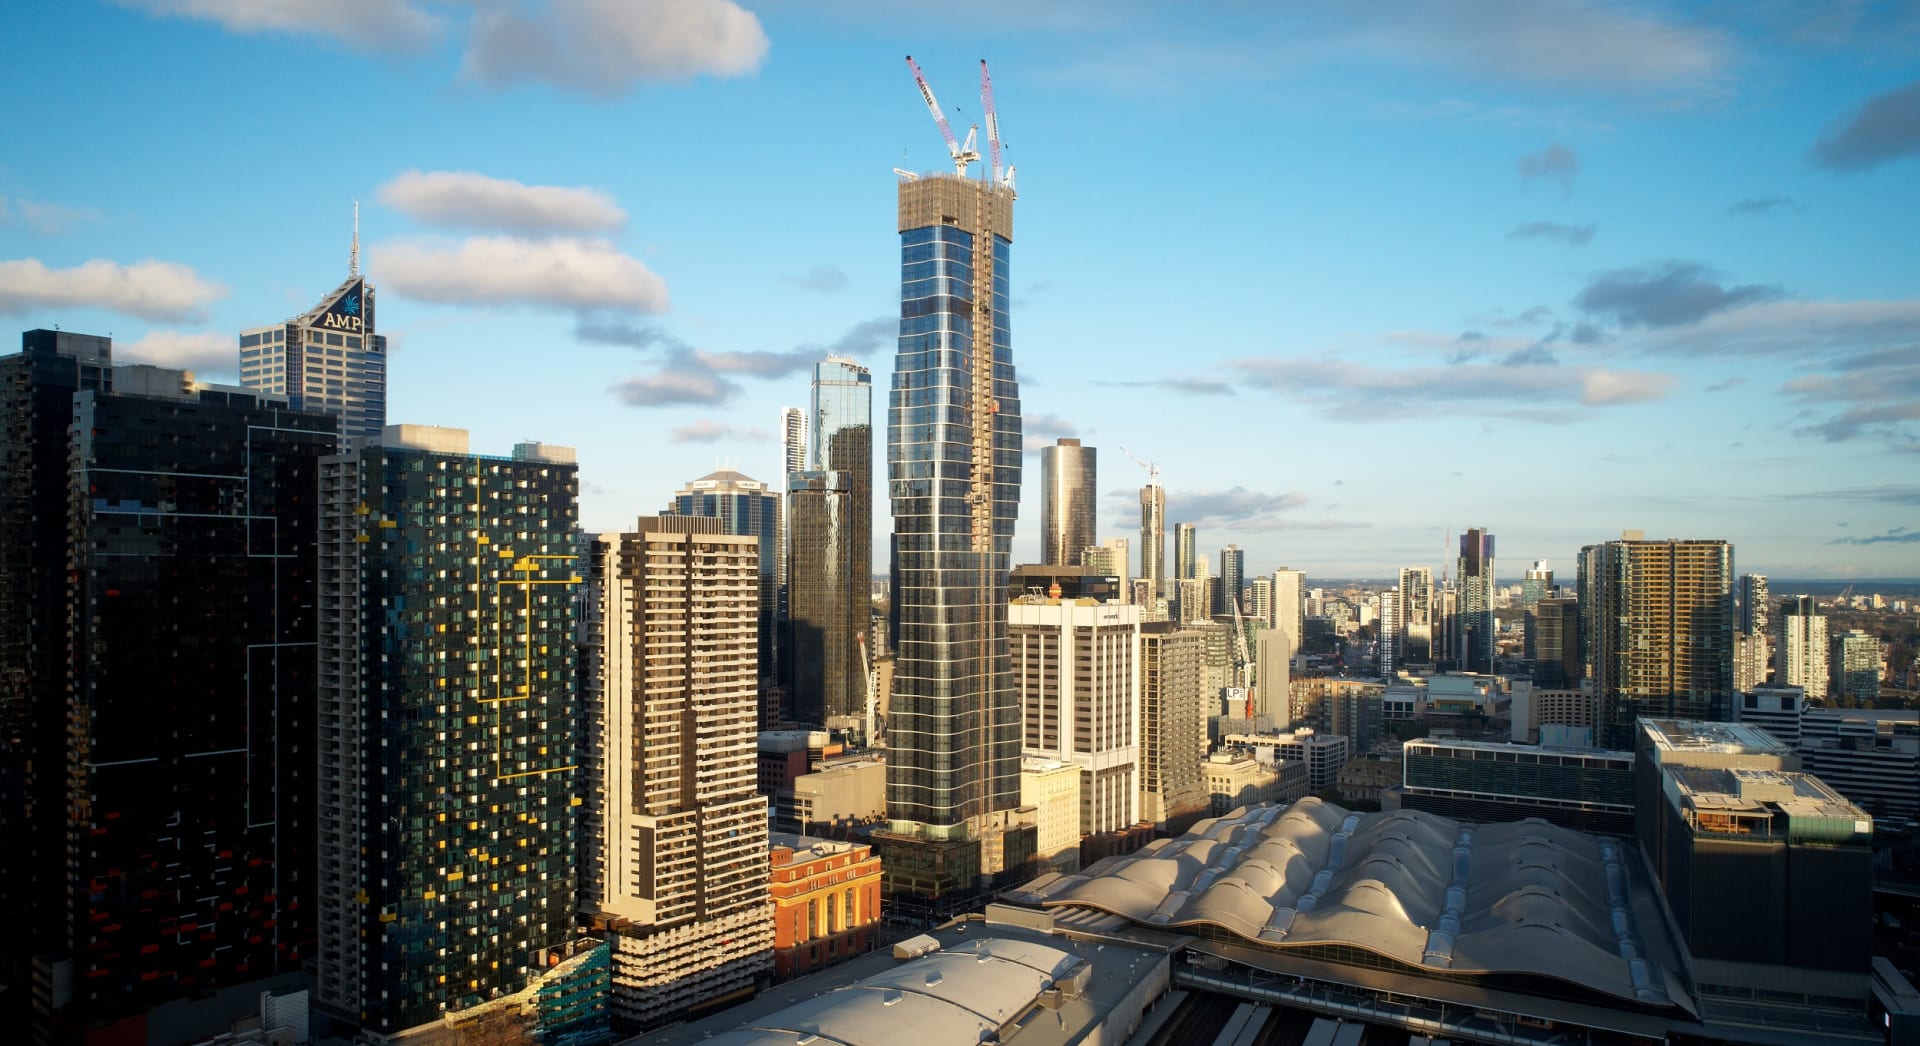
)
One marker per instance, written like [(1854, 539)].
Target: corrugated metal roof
[(1525, 898)]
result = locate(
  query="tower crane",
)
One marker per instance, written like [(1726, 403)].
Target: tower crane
[(995, 175), (962, 154), (873, 697), (1152, 467), (1243, 667)]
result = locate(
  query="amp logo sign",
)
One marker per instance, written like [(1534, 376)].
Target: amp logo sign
[(345, 314)]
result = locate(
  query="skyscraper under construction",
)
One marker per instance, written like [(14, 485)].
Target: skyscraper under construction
[(953, 465)]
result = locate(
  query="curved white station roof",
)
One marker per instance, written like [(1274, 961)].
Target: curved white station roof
[(1527, 897), (956, 997)]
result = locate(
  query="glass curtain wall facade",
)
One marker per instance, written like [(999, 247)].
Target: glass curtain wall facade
[(830, 519), (1233, 570), (1186, 551), (953, 468), (1067, 509), (1416, 614)]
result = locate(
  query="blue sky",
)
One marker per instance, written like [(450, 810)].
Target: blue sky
[(1354, 278)]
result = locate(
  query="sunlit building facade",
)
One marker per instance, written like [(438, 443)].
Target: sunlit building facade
[(1068, 513)]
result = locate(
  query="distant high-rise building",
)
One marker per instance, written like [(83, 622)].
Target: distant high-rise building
[(1233, 576), (1476, 625), (1173, 708), (830, 518), (1111, 559), (953, 465), (157, 585), (1260, 601), (1389, 632), (1536, 585), (1153, 540), (673, 833), (446, 723), (1069, 479), (793, 447), (1075, 667), (1289, 592), (1800, 646), (1553, 636), (1856, 667), (1753, 639), (327, 359), (1754, 604), (1186, 551), (743, 506), (1659, 623), (1191, 600), (1416, 615), (793, 438)]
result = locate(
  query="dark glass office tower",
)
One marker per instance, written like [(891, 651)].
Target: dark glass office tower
[(37, 387), (953, 465), (830, 523), (1233, 570), (447, 720), (183, 610)]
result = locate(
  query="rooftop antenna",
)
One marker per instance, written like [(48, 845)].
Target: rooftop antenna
[(353, 259)]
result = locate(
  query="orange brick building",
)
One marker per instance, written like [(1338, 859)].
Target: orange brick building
[(826, 898)]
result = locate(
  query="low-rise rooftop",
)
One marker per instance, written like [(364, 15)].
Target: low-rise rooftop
[(1694, 735)]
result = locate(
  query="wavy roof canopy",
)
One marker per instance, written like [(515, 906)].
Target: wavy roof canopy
[(1526, 897)]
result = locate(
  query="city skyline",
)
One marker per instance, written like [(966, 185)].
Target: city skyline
[(1681, 269)]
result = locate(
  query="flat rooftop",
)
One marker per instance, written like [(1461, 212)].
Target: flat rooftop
[(1612, 754), (1694, 735), (1744, 789), (805, 845)]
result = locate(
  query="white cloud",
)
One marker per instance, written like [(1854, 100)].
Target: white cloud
[(367, 25), (500, 270), (1605, 388), (707, 430), (605, 46), (1793, 328), (1362, 388), (466, 200), (675, 386), (1565, 43), (198, 351), (152, 290), (47, 219)]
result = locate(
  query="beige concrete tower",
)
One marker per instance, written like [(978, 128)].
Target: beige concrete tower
[(673, 834)]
